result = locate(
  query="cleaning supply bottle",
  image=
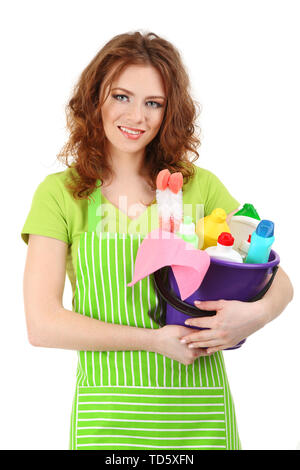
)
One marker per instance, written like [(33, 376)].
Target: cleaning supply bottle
[(244, 248), (261, 242), (243, 223), (248, 210), (187, 231), (210, 227), (224, 249)]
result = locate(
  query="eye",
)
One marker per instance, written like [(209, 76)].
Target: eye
[(116, 97), (156, 104), (153, 104)]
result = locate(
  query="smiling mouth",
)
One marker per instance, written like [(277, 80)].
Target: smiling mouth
[(131, 130)]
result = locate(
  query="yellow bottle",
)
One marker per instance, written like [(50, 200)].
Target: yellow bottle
[(210, 227)]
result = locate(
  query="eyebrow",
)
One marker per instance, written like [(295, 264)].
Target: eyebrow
[(132, 94)]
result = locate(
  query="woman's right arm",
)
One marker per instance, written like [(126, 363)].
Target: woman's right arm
[(50, 325)]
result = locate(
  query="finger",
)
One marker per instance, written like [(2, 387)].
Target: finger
[(205, 344), (214, 350), (201, 322), (203, 335), (200, 352), (210, 304)]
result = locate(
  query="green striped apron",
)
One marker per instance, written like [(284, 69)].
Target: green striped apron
[(139, 400)]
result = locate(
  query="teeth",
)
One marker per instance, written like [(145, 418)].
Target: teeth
[(129, 131)]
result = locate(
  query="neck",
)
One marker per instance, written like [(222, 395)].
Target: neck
[(127, 166)]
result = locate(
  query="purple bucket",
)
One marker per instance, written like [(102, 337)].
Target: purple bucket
[(223, 280)]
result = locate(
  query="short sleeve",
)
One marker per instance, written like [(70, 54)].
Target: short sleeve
[(47, 215), (217, 195)]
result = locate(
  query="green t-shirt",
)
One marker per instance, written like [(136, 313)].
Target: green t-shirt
[(55, 213)]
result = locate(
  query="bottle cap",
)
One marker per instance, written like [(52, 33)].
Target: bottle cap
[(219, 215), (248, 210), (226, 239), (187, 227), (265, 228)]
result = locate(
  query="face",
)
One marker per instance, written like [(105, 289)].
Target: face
[(133, 112)]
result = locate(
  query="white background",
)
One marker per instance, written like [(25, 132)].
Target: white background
[(243, 61)]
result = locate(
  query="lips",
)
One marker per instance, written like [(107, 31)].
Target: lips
[(130, 135), (132, 129)]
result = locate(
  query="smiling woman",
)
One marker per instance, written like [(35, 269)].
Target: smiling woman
[(132, 74), (137, 386)]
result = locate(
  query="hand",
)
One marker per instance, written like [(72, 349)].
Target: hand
[(167, 343), (233, 322)]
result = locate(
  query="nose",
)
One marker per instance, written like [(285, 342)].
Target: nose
[(136, 113)]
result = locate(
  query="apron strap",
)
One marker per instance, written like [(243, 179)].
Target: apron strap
[(93, 203)]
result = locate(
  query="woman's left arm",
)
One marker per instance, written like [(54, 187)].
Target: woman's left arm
[(237, 320)]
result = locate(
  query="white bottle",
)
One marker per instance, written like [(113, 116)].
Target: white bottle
[(244, 248), (224, 250), (187, 231)]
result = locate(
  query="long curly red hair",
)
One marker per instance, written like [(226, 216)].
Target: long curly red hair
[(176, 140)]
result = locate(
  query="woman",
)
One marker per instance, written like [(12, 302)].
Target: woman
[(138, 386)]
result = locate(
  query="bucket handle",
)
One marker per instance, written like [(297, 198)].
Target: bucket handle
[(190, 310)]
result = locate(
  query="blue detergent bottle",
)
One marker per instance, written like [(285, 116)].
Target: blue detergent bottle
[(261, 242)]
